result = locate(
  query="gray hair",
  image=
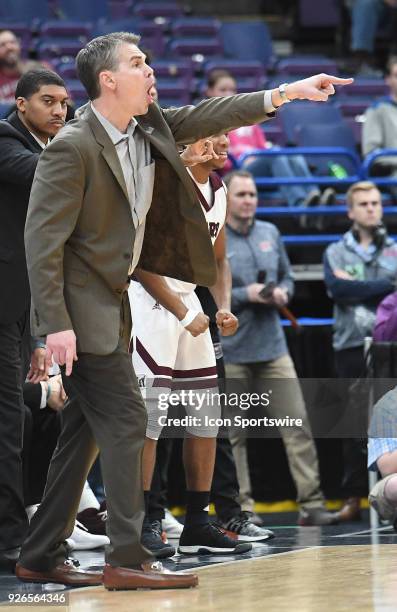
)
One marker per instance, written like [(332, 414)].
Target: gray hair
[(100, 54)]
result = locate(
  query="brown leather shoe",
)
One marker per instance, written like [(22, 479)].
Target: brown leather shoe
[(67, 573), (146, 576), (350, 510)]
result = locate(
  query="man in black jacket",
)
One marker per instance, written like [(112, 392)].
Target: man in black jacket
[(41, 99)]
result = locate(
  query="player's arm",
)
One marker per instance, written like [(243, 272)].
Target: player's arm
[(195, 322), (221, 291)]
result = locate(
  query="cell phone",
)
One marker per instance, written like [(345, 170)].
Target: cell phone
[(267, 290)]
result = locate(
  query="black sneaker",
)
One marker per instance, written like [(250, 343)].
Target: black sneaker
[(207, 539), (241, 528), (151, 539)]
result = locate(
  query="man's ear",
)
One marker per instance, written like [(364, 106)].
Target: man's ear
[(106, 80), (21, 104)]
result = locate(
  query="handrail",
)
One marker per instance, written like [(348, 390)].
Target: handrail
[(301, 239), (304, 180), (290, 211), (369, 160)]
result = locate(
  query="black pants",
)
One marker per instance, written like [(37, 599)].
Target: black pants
[(41, 432), (350, 364), (104, 411), (225, 489), (14, 348)]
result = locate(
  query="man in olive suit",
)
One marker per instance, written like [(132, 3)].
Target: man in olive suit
[(85, 233)]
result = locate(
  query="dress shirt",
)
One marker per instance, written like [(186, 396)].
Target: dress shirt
[(133, 151)]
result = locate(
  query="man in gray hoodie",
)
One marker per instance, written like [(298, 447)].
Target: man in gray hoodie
[(380, 127)]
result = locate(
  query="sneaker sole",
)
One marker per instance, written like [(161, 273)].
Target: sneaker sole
[(241, 538), (209, 550), (170, 551)]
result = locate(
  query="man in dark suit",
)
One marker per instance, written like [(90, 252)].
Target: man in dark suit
[(85, 229), (41, 108)]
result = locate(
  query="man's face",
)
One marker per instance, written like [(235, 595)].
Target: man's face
[(10, 50), (132, 81), (221, 147), (366, 210), (45, 111), (242, 199), (391, 80), (225, 86)]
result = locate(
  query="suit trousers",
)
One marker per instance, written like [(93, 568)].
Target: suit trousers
[(14, 347), (298, 441), (105, 412)]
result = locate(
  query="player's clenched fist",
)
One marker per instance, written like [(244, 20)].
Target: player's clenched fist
[(227, 323), (199, 324)]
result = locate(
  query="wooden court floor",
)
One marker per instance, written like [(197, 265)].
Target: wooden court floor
[(321, 578)]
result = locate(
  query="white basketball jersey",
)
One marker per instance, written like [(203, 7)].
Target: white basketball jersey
[(212, 196)]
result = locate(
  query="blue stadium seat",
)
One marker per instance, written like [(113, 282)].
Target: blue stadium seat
[(66, 69), (350, 106), (247, 41), (66, 29), (50, 48), (152, 33), (315, 14), (327, 135), (173, 68), (367, 87), (188, 47), (307, 65), (76, 90), (195, 26), (299, 113), (152, 10), (119, 9), (84, 11), (15, 10), (174, 89)]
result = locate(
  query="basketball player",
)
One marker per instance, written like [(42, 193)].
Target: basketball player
[(172, 349)]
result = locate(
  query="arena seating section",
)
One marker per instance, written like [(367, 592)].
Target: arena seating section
[(183, 49)]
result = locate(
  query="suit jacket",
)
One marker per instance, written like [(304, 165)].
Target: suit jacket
[(19, 154), (79, 231)]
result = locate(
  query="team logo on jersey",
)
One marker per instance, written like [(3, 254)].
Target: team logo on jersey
[(213, 228), (156, 306)]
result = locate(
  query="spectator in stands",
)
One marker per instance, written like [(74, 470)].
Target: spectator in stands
[(366, 17), (382, 456), (41, 109), (380, 127), (258, 350), (359, 270), (247, 138), (11, 65)]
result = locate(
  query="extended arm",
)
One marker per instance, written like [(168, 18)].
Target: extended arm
[(217, 115)]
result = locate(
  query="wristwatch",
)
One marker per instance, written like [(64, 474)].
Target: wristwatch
[(283, 93)]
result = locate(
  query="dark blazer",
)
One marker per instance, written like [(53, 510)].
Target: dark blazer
[(19, 154), (79, 230)]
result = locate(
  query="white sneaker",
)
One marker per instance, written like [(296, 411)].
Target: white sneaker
[(172, 527), (82, 539)]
